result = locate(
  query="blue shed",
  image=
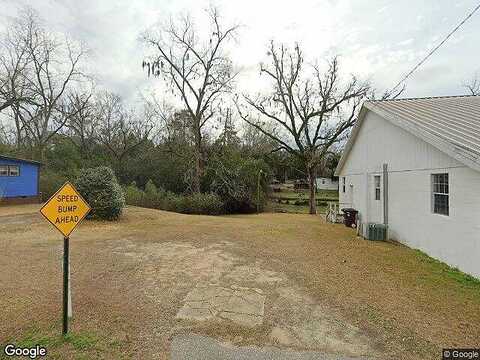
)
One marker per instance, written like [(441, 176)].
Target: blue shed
[(19, 180)]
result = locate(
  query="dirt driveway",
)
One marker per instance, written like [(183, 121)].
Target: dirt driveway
[(282, 280)]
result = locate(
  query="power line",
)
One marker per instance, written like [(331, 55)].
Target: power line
[(436, 48)]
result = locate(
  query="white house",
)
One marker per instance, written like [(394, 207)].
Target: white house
[(326, 183), (414, 164)]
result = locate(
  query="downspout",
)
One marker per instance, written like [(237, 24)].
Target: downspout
[(385, 198), (367, 206)]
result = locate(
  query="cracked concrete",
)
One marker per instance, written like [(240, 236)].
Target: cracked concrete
[(235, 293), (241, 305)]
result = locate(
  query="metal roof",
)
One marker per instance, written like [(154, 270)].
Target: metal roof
[(5, 157), (450, 123)]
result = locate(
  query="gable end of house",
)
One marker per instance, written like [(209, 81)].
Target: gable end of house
[(433, 133)]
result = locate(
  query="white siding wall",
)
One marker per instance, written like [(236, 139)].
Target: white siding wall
[(454, 239), (326, 184)]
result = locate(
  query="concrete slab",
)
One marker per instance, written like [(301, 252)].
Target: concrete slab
[(242, 305)]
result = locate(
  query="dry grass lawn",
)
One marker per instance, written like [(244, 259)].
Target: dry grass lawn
[(130, 278)]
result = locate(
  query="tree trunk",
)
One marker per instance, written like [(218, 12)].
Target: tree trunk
[(198, 171), (199, 165), (119, 171), (312, 187), (42, 148), (18, 128)]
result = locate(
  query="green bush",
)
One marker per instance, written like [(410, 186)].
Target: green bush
[(101, 190), (133, 195), (150, 188), (207, 204), (202, 204)]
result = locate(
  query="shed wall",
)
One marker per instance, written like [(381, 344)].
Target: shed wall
[(326, 183), (24, 185)]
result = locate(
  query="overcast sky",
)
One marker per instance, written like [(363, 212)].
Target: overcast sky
[(379, 40)]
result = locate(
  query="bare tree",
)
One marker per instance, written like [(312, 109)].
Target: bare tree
[(119, 129), (51, 71), (196, 70), (309, 110), (228, 137), (473, 86), (82, 123), (5, 135), (255, 142), (14, 59)]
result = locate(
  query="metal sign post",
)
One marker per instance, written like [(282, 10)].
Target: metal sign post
[(65, 210), (66, 288)]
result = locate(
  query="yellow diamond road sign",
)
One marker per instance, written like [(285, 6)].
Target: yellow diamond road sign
[(65, 209)]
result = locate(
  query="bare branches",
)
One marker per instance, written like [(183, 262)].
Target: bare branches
[(389, 94), (119, 129), (310, 109), (14, 62), (81, 122), (473, 86), (41, 70), (196, 70), (304, 103)]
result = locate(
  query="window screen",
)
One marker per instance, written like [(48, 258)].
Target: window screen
[(440, 194), (343, 184), (3, 170)]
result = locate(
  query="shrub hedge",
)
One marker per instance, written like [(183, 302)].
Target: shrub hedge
[(100, 188), (202, 204)]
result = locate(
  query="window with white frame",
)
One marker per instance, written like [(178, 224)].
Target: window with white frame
[(3, 170), (343, 184), (440, 194), (376, 179)]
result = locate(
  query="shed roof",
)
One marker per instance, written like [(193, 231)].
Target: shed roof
[(450, 123), (5, 157)]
